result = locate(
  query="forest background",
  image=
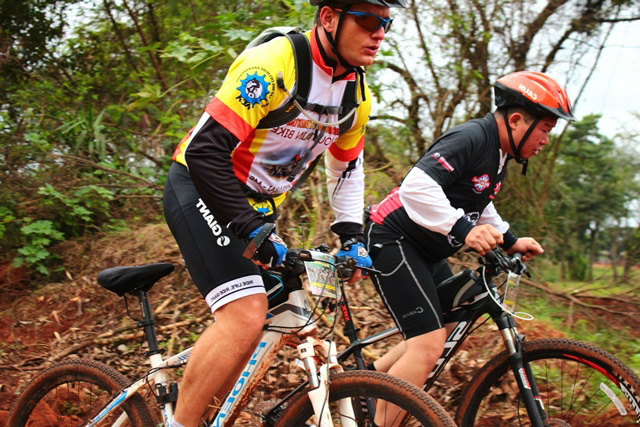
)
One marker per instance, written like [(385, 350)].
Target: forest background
[(95, 95)]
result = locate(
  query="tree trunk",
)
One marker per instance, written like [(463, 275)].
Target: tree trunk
[(592, 250)]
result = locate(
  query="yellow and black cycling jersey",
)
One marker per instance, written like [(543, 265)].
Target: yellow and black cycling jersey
[(227, 138)]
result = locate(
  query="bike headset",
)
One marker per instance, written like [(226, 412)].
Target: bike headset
[(538, 94), (345, 6)]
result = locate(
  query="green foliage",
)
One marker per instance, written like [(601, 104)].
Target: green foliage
[(39, 235), (82, 208), (97, 96), (6, 217)]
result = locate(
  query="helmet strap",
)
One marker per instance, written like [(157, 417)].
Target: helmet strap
[(516, 149), (334, 48), (334, 45)]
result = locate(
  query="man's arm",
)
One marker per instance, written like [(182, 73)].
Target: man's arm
[(208, 157), (428, 206)]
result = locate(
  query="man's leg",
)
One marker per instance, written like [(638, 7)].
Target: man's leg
[(384, 363), (219, 356), (414, 365)]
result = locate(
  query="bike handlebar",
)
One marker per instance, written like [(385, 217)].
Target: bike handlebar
[(497, 261), (295, 258)]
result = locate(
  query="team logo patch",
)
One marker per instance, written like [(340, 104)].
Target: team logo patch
[(253, 89), (481, 183)]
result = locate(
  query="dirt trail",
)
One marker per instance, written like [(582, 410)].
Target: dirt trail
[(77, 318)]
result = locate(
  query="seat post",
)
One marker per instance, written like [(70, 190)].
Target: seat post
[(148, 324)]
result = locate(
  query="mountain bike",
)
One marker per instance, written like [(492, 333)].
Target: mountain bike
[(552, 382), (81, 392)]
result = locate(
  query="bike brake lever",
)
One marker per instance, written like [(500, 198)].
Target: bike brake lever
[(351, 263), (369, 270), (256, 242)]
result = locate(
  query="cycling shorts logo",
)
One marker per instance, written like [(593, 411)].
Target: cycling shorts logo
[(417, 310), (223, 241), (481, 183), (253, 89)]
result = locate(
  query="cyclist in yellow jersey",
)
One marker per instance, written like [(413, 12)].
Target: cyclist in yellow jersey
[(230, 175)]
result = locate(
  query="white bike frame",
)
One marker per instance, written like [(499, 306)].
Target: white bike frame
[(290, 322)]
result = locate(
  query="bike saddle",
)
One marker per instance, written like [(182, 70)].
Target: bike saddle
[(128, 279)]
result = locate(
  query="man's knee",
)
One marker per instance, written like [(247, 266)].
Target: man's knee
[(429, 346), (247, 314)]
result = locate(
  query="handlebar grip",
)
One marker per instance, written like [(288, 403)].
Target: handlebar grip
[(256, 242)]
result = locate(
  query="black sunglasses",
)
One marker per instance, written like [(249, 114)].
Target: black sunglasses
[(370, 21)]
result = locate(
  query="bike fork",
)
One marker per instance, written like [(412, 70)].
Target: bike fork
[(319, 384), (524, 377)]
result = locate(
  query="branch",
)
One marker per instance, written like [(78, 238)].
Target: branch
[(569, 297), (423, 45), (152, 56), (521, 48), (111, 170)]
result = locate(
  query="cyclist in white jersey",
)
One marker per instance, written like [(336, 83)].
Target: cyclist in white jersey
[(230, 174)]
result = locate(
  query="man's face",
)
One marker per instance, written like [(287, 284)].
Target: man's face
[(538, 138), (357, 45)]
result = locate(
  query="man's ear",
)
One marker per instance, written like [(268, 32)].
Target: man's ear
[(515, 119), (328, 18)]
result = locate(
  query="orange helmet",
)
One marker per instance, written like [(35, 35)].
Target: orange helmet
[(386, 3), (536, 92)]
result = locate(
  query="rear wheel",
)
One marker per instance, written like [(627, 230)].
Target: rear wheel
[(360, 386), (72, 392), (579, 385)]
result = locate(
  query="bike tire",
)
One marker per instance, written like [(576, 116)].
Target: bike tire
[(579, 385), (421, 409), (71, 392)]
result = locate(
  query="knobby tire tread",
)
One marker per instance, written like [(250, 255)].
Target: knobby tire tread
[(67, 372), (370, 384), (540, 349)]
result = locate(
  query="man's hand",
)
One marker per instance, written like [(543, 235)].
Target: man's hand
[(483, 238), (356, 250), (527, 246), (272, 252)]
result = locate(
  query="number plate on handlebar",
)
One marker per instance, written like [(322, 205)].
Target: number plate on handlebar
[(511, 292), (321, 272)]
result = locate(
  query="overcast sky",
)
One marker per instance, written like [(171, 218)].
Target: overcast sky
[(614, 88)]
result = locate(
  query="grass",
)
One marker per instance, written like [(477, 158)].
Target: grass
[(614, 332)]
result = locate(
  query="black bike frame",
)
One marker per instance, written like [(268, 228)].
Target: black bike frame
[(470, 313)]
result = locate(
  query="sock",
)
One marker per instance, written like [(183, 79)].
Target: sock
[(174, 423), (371, 367)]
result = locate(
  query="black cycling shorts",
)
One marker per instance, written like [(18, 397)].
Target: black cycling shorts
[(407, 284), (213, 255)]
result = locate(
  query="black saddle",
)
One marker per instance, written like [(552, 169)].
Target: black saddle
[(130, 279)]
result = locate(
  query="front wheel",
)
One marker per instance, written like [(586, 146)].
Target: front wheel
[(358, 387), (579, 385), (71, 392)]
